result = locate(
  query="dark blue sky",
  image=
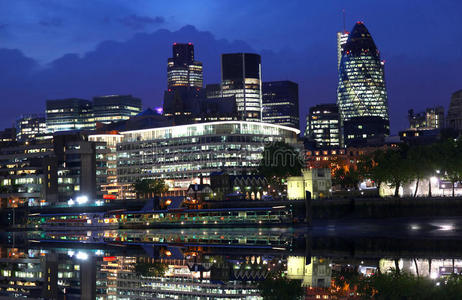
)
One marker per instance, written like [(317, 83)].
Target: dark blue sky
[(122, 47)]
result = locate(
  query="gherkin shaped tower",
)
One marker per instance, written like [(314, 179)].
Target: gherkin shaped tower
[(361, 89)]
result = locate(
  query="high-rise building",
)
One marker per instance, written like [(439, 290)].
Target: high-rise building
[(30, 126), (431, 118), (454, 119), (342, 38), (69, 114), (241, 77), (280, 103), (182, 69), (323, 125), (114, 108), (361, 89)]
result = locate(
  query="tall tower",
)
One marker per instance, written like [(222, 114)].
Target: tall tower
[(241, 78), (361, 91), (182, 69), (342, 37)]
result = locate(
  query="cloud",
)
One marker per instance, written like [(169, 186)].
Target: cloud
[(51, 22), (138, 66), (140, 22)]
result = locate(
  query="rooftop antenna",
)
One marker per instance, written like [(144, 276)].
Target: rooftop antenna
[(343, 14)]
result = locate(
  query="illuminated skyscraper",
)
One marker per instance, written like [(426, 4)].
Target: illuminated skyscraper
[(241, 77), (361, 89), (323, 125), (182, 69), (342, 38)]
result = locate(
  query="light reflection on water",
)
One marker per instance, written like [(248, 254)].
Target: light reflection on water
[(212, 263)]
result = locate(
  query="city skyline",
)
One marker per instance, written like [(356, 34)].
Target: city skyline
[(142, 73)]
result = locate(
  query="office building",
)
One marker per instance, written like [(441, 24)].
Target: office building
[(241, 78), (454, 119), (182, 154), (431, 118), (115, 108), (323, 126), (29, 127), (365, 131), (280, 103), (182, 69), (361, 89), (69, 114), (342, 38)]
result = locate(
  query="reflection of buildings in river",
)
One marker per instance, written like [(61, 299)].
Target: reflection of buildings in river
[(433, 268), (316, 273), (183, 278)]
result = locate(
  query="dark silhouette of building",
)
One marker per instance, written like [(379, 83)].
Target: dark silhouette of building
[(454, 118), (323, 126), (241, 78), (365, 131), (280, 103)]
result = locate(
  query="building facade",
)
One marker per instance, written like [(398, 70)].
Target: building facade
[(182, 69), (29, 127), (241, 78), (454, 119), (182, 154), (361, 89), (342, 38), (323, 126), (431, 118), (69, 114), (280, 103), (115, 108)]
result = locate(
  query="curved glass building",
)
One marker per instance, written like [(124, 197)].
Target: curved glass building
[(361, 89)]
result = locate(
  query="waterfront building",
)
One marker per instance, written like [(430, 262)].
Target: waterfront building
[(115, 108), (323, 126), (316, 181), (431, 118), (250, 187), (361, 88), (69, 114), (182, 69), (313, 272), (241, 78), (280, 103), (182, 154), (454, 119), (29, 127), (45, 172)]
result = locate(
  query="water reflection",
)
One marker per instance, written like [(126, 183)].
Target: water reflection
[(210, 264)]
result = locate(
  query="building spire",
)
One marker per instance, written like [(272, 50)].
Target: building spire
[(344, 23)]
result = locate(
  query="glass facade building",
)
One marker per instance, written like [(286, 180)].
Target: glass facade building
[(114, 108), (182, 69), (241, 77), (69, 114), (30, 126), (280, 103), (361, 89), (189, 151), (342, 38), (323, 125)]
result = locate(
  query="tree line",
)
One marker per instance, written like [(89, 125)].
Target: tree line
[(403, 164)]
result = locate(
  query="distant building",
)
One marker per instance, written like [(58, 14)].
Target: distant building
[(361, 91), (7, 136), (251, 187), (29, 127), (241, 78), (454, 119), (69, 114), (342, 38), (323, 126), (114, 108), (365, 131), (213, 90), (431, 118), (182, 69), (280, 103)]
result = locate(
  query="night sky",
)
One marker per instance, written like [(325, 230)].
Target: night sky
[(58, 49)]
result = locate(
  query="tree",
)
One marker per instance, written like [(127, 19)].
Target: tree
[(281, 288), (150, 187), (450, 153), (280, 161), (423, 160), (347, 178)]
